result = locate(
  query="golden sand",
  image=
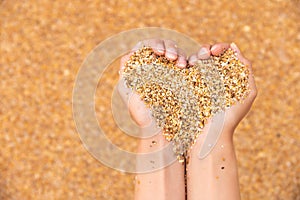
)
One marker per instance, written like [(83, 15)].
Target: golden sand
[(43, 44), (182, 100)]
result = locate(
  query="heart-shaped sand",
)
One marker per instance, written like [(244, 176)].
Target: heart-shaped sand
[(182, 100)]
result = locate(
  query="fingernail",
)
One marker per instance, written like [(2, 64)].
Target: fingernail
[(202, 51), (192, 61), (160, 50), (213, 48), (181, 64), (171, 54)]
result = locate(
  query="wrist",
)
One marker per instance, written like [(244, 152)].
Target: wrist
[(224, 133), (222, 143)]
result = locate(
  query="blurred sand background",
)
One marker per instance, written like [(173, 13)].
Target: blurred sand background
[(43, 44)]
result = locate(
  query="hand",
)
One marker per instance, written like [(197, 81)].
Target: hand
[(137, 108), (216, 170), (238, 111), (153, 185)]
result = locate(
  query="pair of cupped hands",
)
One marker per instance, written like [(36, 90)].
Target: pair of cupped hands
[(168, 48)]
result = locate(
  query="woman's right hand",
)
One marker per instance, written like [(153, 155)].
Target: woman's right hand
[(137, 108)]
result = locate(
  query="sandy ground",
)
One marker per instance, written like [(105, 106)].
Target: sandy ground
[(43, 44)]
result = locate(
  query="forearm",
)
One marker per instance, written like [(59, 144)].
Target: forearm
[(167, 183), (216, 176)]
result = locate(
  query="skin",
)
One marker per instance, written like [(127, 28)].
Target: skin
[(167, 183), (215, 176)]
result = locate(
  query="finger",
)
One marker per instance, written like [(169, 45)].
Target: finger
[(139, 111), (181, 61), (171, 50), (193, 59), (136, 106), (245, 61), (204, 52), (138, 46), (239, 54), (156, 44), (124, 59), (124, 91), (219, 49)]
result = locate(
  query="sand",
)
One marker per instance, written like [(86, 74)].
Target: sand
[(43, 44)]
